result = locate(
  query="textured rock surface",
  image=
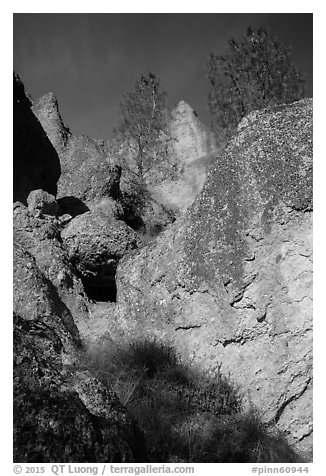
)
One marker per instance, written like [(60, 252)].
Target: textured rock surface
[(192, 139), (46, 109), (231, 281), (60, 414), (40, 236), (109, 207), (88, 174), (35, 296), (192, 150), (96, 243), (86, 171), (36, 162), (175, 177), (44, 202)]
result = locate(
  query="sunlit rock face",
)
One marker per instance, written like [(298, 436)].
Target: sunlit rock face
[(192, 139), (230, 283), (192, 150)]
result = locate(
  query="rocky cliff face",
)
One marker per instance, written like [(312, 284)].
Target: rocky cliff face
[(228, 286), (231, 282), (176, 176), (192, 150), (41, 237), (61, 412), (88, 175)]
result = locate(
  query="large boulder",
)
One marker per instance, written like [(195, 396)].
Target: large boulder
[(88, 173), (35, 296), (230, 283), (40, 234), (96, 243), (61, 413), (42, 202), (36, 163)]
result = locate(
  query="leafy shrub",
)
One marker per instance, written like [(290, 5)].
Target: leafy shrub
[(185, 417)]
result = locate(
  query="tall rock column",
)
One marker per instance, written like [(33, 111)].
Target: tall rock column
[(36, 162), (192, 150)]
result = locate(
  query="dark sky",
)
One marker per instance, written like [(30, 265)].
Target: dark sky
[(90, 60)]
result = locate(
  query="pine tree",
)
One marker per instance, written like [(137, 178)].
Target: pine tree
[(255, 73), (144, 123)]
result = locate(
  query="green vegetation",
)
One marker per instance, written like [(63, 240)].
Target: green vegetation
[(183, 416), (255, 73)]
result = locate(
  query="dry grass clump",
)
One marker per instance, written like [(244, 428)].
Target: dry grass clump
[(183, 416)]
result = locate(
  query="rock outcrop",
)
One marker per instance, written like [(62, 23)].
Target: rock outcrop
[(36, 163), (192, 150), (88, 174), (42, 202), (177, 174), (46, 109), (41, 237), (61, 413), (95, 244), (231, 282), (228, 286)]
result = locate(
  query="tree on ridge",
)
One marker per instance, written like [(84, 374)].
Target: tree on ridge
[(255, 73)]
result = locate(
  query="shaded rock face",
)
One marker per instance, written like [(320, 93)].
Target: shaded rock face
[(231, 282), (60, 413), (36, 162), (95, 244), (192, 150), (71, 206), (35, 295), (88, 174)]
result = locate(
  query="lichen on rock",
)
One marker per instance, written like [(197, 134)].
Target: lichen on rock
[(230, 282)]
